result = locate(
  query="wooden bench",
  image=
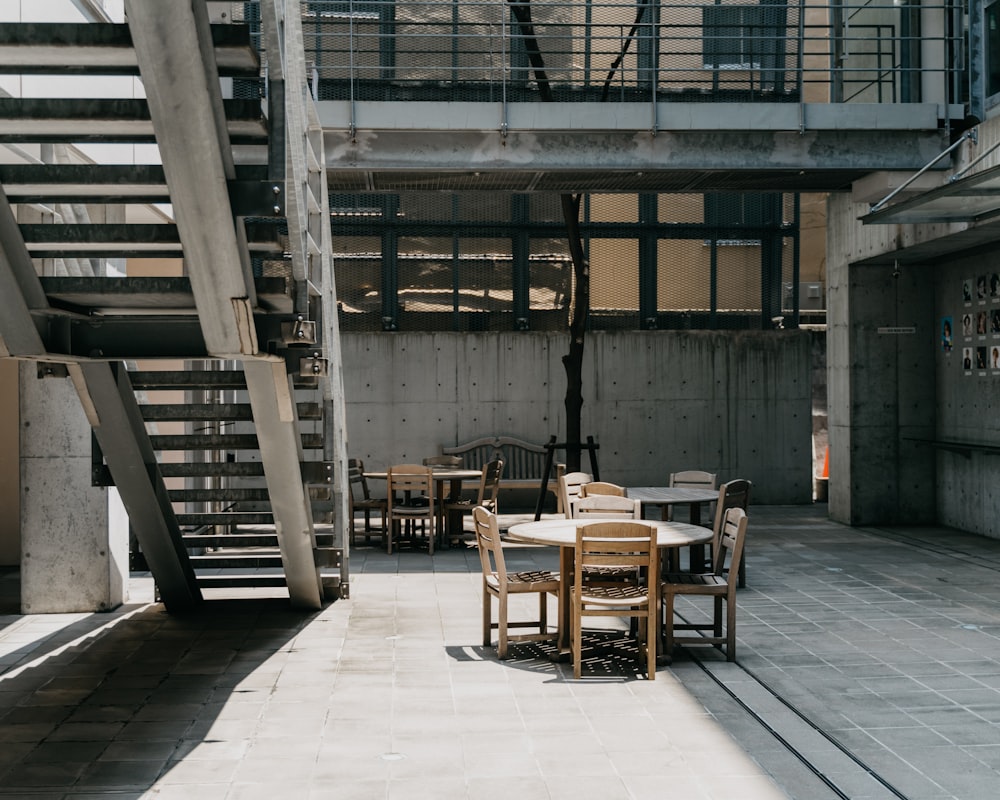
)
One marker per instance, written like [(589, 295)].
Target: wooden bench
[(523, 462)]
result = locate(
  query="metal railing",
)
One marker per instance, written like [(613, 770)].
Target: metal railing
[(497, 50)]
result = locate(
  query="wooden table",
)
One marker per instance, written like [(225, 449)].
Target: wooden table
[(561, 533), (455, 476), (666, 496)]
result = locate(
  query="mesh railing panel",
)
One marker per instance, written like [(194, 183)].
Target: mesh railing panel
[(477, 261), (622, 50)]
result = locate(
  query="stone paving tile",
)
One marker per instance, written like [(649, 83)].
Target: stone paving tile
[(872, 636)]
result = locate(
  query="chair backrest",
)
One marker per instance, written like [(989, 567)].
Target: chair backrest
[(732, 494), (693, 479), (729, 553), (606, 505), (488, 542), (489, 484), (615, 544), (411, 480), (356, 478), (601, 487), (443, 461), (569, 490)]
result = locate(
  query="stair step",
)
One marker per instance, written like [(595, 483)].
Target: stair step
[(222, 495), (165, 412), (240, 581), (230, 540), (67, 47), (226, 518), (244, 540), (192, 379), (237, 561), (220, 468), (222, 441), (241, 495)]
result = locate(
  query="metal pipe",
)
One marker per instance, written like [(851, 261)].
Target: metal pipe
[(912, 178)]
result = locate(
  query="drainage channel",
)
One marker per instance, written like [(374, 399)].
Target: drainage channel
[(806, 761)]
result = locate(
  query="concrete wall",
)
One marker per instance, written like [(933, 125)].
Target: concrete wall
[(735, 403), (968, 400), (880, 382)]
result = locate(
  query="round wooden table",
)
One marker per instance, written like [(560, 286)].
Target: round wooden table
[(455, 477), (561, 533)]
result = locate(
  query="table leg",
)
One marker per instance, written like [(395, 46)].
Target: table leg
[(696, 551), (566, 556)]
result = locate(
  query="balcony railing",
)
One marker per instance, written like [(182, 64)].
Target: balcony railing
[(583, 50)]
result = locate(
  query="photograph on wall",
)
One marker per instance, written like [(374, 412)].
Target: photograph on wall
[(995, 357), (967, 290), (967, 359), (946, 335), (995, 321), (981, 357), (995, 287), (966, 325), (981, 323), (981, 287)]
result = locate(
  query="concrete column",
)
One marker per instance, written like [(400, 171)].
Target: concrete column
[(10, 522), (74, 540), (881, 384)]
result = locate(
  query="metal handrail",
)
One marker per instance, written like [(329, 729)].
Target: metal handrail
[(761, 51)]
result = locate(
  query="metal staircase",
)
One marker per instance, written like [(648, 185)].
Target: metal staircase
[(211, 464), (224, 434)]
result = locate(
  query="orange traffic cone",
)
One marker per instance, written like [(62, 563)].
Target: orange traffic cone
[(826, 464)]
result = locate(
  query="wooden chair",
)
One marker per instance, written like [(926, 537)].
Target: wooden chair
[(443, 461), (732, 494), (411, 500), (358, 485), (616, 545), (719, 584), (605, 505), (569, 490), (601, 487), (489, 490), (499, 583), (689, 479)]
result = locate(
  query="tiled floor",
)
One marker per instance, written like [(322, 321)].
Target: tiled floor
[(868, 667)]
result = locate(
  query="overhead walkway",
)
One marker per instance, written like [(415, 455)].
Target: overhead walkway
[(610, 96), (240, 383)]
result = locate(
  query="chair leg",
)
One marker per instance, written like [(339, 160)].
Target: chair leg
[(649, 624), (717, 617), (576, 645), (487, 616), (543, 612), (502, 627), (668, 627), (731, 626)]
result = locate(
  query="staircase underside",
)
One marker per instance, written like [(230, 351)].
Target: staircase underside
[(227, 292)]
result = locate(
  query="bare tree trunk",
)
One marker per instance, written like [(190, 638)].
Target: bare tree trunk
[(580, 304)]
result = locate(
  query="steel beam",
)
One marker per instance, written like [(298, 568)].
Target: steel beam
[(117, 421), (177, 64), (276, 422), (20, 290)]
